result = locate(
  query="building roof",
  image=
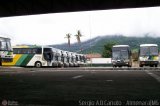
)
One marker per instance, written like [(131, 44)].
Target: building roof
[(95, 55)]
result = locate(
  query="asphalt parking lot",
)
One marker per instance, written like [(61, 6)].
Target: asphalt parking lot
[(79, 87)]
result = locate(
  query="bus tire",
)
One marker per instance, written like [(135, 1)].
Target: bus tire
[(129, 65), (140, 65), (151, 65), (156, 65), (114, 66), (38, 64)]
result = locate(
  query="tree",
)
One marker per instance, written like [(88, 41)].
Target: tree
[(78, 36), (68, 36), (107, 50)]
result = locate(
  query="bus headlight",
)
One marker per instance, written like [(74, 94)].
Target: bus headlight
[(126, 61), (113, 61)]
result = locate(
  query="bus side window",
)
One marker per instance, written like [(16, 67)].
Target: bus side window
[(38, 51), (18, 51), (21, 51), (25, 51), (29, 51), (34, 51), (15, 51)]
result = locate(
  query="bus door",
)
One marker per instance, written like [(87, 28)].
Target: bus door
[(48, 56)]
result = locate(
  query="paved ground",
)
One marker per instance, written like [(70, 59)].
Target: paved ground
[(79, 87)]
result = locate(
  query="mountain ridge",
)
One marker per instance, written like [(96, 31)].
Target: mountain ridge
[(95, 45)]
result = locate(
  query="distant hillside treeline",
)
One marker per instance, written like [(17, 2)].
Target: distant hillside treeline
[(95, 45)]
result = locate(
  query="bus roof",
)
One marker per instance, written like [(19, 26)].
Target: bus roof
[(143, 45), (30, 46), (3, 38), (121, 46)]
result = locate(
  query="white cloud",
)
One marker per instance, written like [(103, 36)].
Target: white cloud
[(48, 29)]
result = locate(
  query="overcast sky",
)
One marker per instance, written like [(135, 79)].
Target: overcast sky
[(46, 29)]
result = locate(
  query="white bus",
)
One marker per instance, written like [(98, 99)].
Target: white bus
[(81, 59), (5, 50), (148, 55), (64, 58), (57, 61), (121, 56), (36, 56), (74, 61), (69, 59)]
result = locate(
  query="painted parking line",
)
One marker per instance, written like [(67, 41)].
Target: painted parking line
[(153, 75), (109, 80), (78, 76), (93, 72)]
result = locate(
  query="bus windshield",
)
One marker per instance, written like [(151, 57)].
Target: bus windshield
[(120, 52), (146, 51), (123, 54), (5, 45)]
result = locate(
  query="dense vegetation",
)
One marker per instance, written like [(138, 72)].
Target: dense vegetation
[(96, 45), (107, 50)]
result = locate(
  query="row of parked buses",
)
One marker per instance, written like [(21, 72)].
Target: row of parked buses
[(40, 56), (148, 55)]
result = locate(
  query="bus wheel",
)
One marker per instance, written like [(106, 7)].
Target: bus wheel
[(114, 66), (140, 65), (151, 65), (129, 65), (155, 65), (38, 64)]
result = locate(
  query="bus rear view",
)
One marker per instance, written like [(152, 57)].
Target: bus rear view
[(121, 56), (148, 55)]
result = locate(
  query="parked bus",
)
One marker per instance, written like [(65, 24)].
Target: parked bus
[(78, 61), (74, 60), (148, 55), (5, 50), (57, 61), (69, 59), (81, 59), (121, 56), (64, 58), (37, 56)]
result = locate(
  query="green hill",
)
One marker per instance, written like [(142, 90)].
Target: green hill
[(95, 45)]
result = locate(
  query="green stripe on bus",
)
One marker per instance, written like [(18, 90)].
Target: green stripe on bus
[(21, 59), (27, 59)]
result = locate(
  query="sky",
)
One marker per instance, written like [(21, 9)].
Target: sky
[(47, 29)]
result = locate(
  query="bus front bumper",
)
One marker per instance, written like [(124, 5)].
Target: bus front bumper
[(7, 59), (149, 63), (120, 63)]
